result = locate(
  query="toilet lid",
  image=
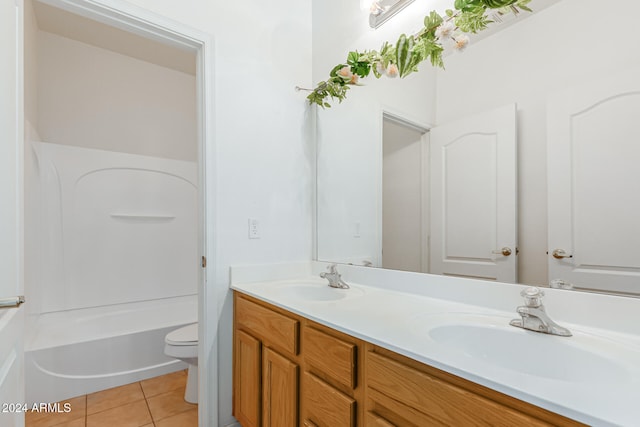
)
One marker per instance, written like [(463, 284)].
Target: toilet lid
[(187, 335)]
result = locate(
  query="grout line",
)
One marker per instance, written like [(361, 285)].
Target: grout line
[(144, 397), (146, 401), (115, 407)]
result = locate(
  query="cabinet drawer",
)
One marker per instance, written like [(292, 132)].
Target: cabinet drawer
[(372, 420), (325, 406), (444, 402), (330, 355), (382, 409), (274, 329)]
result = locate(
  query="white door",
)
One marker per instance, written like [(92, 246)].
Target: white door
[(594, 184), (474, 197), (11, 319)]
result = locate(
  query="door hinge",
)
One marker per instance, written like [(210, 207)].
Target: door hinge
[(204, 262)]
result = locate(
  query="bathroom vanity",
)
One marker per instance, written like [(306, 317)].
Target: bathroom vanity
[(307, 354), (287, 366)]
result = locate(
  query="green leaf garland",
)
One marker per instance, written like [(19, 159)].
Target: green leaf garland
[(403, 57)]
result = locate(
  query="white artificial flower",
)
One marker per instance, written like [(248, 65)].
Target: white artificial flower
[(460, 42), (445, 30), (392, 71), (345, 73), (375, 8)]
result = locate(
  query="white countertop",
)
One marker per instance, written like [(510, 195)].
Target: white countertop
[(401, 321)]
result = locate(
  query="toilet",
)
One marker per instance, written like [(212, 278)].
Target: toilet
[(182, 344)]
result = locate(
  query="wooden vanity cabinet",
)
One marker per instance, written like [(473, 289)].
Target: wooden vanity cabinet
[(291, 371), (265, 365)]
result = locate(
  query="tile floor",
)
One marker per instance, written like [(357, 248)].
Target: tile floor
[(156, 402)]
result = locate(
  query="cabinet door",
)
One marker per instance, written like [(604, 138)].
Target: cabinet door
[(279, 391), (246, 379)]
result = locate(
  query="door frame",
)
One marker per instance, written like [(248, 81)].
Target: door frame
[(12, 320), (142, 22), (407, 120)]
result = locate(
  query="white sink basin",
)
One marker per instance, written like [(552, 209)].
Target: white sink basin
[(491, 340), (316, 292)]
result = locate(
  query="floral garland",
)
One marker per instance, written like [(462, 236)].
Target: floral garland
[(403, 58)]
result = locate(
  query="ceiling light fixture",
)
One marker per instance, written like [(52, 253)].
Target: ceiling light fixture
[(382, 10)]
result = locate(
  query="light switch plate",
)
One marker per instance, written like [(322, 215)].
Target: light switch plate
[(254, 228)]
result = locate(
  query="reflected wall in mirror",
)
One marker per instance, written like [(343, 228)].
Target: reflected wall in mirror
[(540, 70)]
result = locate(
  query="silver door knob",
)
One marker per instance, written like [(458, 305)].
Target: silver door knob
[(560, 254), (506, 251)]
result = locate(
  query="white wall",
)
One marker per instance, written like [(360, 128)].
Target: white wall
[(349, 135), (263, 148), (95, 98), (526, 63)]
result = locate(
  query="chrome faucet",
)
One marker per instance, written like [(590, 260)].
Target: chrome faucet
[(534, 317), (334, 278)]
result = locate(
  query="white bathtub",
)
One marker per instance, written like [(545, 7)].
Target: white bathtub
[(76, 352)]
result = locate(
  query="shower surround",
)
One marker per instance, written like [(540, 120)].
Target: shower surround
[(116, 268)]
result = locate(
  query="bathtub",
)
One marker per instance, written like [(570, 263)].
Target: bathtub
[(82, 351)]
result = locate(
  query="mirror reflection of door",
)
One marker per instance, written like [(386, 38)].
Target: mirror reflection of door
[(404, 220), (593, 149), (473, 197)]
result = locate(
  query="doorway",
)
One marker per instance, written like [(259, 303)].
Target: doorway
[(146, 25), (405, 213)]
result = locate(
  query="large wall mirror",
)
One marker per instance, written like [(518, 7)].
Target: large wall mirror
[(520, 162)]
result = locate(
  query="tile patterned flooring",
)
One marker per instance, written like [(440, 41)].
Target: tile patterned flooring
[(156, 402)]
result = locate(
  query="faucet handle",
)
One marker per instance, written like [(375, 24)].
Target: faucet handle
[(332, 268), (532, 296), (560, 284)]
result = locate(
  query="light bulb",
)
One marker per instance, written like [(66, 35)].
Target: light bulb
[(366, 4)]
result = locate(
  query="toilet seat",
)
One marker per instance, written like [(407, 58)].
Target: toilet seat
[(187, 335), (182, 344)]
